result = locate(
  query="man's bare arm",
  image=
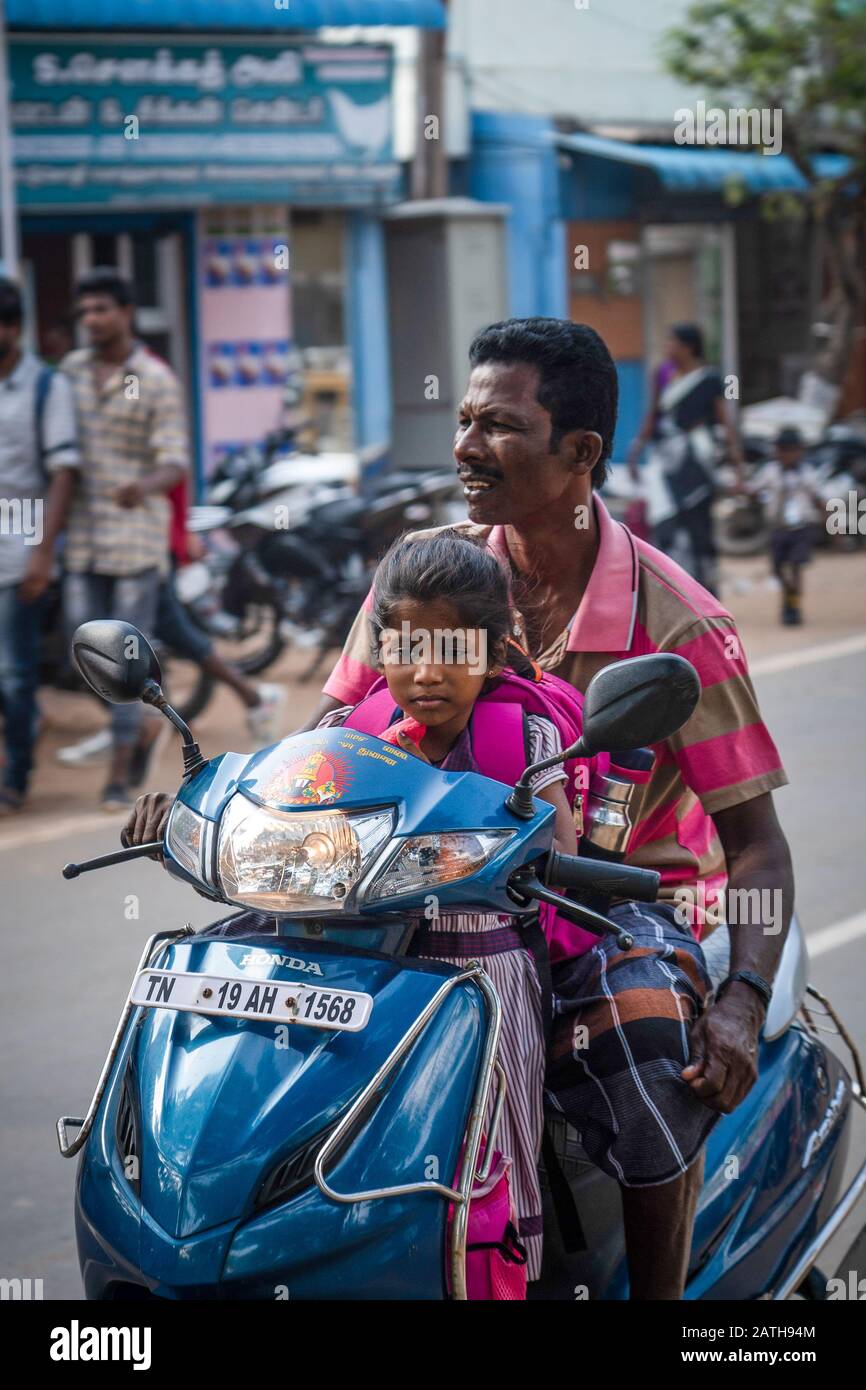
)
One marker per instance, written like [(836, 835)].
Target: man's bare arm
[(724, 1041), (325, 706), (758, 858)]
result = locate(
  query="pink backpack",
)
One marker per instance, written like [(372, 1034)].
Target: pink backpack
[(495, 1258), (498, 731), (499, 748)]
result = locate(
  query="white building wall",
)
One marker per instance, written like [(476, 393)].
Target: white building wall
[(599, 65), (596, 61)]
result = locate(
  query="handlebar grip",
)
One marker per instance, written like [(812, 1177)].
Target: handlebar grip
[(120, 856), (595, 876)]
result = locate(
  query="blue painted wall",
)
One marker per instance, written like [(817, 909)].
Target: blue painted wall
[(632, 405), (367, 323), (515, 161)]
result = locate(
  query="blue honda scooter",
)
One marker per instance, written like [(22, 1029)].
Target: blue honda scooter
[(292, 1106)]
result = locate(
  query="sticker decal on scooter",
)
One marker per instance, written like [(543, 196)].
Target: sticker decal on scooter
[(831, 1115), (315, 779)]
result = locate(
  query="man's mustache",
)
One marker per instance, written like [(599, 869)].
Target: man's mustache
[(482, 474)]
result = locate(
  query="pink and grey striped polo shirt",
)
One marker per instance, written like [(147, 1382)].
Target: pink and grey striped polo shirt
[(639, 601)]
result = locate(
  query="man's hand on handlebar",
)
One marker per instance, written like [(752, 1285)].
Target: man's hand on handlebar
[(147, 820)]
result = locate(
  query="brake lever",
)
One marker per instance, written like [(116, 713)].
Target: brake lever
[(525, 886), (104, 861)]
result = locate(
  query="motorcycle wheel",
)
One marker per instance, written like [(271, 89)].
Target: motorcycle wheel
[(187, 686), (735, 538), (199, 695), (258, 642)]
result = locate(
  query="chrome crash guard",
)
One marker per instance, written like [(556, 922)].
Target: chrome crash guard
[(69, 1148), (469, 1167)]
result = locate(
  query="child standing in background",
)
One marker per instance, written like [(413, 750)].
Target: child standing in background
[(790, 485)]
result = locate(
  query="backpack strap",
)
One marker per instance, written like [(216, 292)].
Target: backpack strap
[(499, 736), (499, 739), (46, 376), (564, 1205), (43, 386), (375, 713)]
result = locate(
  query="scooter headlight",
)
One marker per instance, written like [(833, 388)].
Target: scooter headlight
[(184, 836), (296, 861), (428, 861)]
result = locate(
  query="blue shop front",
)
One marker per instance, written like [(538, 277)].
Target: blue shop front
[(237, 170)]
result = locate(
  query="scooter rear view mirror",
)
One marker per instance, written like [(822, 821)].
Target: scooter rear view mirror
[(630, 704), (636, 702), (116, 660)]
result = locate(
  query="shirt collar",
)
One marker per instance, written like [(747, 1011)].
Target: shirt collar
[(605, 618), (116, 379), (21, 373)]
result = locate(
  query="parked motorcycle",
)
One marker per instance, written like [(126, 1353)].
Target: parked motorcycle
[(741, 527), (292, 1106), (293, 564), (189, 686), (838, 456)]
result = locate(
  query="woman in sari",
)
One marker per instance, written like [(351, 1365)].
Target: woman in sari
[(679, 473)]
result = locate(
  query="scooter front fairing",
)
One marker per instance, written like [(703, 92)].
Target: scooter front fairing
[(197, 1180)]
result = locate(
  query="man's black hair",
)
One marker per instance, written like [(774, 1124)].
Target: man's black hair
[(11, 304), (577, 381), (690, 336), (107, 280)]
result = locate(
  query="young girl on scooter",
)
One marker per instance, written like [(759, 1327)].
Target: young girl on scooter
[(441, 624)]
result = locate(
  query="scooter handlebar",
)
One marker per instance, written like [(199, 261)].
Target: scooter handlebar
[(595, 876), (120, 856)]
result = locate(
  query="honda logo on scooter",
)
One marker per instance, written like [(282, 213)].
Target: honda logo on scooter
[(290, 962)]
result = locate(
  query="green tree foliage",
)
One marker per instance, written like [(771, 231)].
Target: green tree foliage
[(806, 58)]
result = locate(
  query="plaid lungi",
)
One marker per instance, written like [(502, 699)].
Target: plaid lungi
[(621, 1039)]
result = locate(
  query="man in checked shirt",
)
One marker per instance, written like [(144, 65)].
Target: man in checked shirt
[(133, 443)]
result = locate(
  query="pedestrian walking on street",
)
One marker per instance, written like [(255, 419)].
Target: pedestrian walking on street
[(680, 469), (39, 465), (134, 449), (264, 701), (790, 487)]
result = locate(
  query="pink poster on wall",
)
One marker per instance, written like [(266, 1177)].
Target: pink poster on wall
[(245, 325)]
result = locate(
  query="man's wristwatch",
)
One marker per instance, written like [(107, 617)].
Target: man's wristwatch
[(748, 977)]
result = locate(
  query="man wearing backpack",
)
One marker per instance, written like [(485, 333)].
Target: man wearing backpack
[(642, 1064), (39, 465)]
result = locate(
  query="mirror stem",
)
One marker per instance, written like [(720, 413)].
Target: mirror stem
[(193, 761), (520, 801)]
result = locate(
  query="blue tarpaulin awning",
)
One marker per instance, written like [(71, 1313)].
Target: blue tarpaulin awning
[(216, 15), (685, 169)]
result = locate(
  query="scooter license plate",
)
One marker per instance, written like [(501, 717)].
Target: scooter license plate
[(268, 1001)]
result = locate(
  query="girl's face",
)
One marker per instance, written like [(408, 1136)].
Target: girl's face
[(434, 665)]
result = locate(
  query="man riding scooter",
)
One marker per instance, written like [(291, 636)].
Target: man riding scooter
[(642, 1066)]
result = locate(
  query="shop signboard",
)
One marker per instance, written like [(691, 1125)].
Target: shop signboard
[(156, 121)]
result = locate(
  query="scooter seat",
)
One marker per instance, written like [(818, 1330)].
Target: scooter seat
[(792, 975)]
